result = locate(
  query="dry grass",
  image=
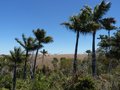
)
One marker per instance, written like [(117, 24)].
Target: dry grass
[(49, 58)]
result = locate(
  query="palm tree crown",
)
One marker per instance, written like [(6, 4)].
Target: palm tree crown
[(78, 25), (41, 37), (16, 56), (28, 44), (97, 22)]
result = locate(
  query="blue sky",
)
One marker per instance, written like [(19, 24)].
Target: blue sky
[(22, 16)]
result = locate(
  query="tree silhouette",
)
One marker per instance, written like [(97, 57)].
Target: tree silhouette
[(88, 52), (77, 24), (44, 52), (95, 24), (29, 44), (41, 37), (16, 56)]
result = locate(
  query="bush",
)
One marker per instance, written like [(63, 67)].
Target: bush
[(66, 65), (5, 82), (23, 84), (84, 83)]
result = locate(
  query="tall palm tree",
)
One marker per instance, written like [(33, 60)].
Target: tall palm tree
[(29, 44), (95, 24), (77, 24), (16, 56), (44, 52), (41, 37)]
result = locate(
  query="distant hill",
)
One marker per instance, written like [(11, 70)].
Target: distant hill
[(49, 58)]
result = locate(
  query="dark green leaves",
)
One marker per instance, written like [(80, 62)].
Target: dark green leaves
[(101, 9), (41, 37), (17, 55), (108, 23), (28, 43)]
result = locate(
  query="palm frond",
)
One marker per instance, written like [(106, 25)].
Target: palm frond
[(68, 26), (24, 38), (39, 34), (47, 39), (18, 41), (93, 26), (16, 55), (44, 52), (108, 23), (101, 10)]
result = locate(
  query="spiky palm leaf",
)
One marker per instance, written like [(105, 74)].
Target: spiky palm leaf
[(101, 10), (108, 23), (44, 52), (17, 55), (79, 22), (40, 35), (29, 43)]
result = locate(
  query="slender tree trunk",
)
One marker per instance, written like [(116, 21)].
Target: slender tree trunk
[(88, 55), (14, 77), (31, 64), (108, 33), (43, 60), (25, 66), (110, 62), (34, 66), (93, 56), (43, 66), (75, 54)]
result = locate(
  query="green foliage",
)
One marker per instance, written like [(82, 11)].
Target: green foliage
[(23, 84), (66, 65), (40, 35), (5, 81), (85, 83), (28, 43), (41, 83), (55, 63)]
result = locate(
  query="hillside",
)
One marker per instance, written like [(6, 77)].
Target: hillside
[(49, 58)]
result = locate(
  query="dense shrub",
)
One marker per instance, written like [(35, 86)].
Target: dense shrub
[(85, 83), (5, 82)]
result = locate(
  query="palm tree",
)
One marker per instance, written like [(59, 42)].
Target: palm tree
[(44, 52), (108, 24), (88, 52), (41, 37), (16, 56), (29, 44), (104, 43), (77, 24), (95, 24)]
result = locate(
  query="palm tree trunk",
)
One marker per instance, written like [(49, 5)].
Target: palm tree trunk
[(14, 77), (110, 62), (109, 33), (43, 60), (34, 66), (75, 54), (93, 56), (25, 66), (31, 64)]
